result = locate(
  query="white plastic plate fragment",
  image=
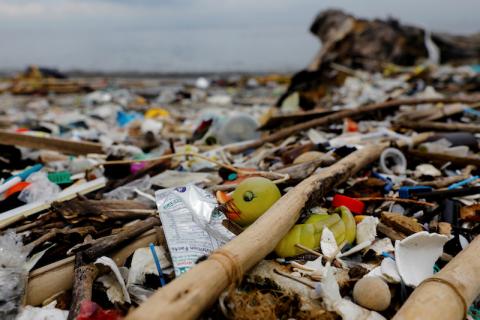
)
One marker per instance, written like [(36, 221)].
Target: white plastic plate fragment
[(367, 229), (328, 244), (416, 255)]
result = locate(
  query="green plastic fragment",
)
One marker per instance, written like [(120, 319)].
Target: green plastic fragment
[(60, 177)]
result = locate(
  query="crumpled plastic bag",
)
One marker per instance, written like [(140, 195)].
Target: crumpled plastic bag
[(49, 312), (13, 274), (129, 190), (40, 188)]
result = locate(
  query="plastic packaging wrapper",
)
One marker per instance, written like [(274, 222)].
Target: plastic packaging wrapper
[(190, 234)]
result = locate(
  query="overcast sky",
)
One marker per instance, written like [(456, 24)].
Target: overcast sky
[(192, 35)]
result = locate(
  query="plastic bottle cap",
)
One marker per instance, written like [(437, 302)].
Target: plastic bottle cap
[(355, 206)]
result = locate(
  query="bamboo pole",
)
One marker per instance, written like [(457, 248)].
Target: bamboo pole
[(191, 293), (449, 297), (337, 116)]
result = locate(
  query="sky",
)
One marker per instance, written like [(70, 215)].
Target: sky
[(193, 35)]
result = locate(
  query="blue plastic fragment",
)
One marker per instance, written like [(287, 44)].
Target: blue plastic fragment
[(388, 183), (463, 182), (157, 264), (409, 191), (124, 118)]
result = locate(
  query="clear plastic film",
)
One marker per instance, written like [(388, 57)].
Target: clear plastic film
[(13, 274)]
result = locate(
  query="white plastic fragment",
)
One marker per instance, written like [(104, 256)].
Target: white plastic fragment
[(382, 245), (328, 244), (115, 289), (416, 255), (367, 229), (390, 271), (357, 248), (426, 170)]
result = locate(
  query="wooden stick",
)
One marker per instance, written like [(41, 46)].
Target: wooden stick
[(337, 116), (444, 157), (433, 114), (446, 181), (449, 292), (301, 280), (447, 111), (390, 232), (420, 203), (298, 172), (301, 246), (85, 275), (49, 143), (103, 245), (52, 233), (439, 126), (190, 294), (295, 117)]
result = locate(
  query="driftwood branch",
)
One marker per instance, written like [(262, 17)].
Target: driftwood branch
[(298, 172), (439, 126), (295, 117), (101, 210), (106, 244), (337, 116), (49, 143), (52, 233), (433, 114), (85, 275), (400, 200), (444, 157)]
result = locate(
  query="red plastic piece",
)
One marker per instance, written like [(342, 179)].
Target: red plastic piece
[(16, 188), (350, 125), (89, 310), (355, 206)]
